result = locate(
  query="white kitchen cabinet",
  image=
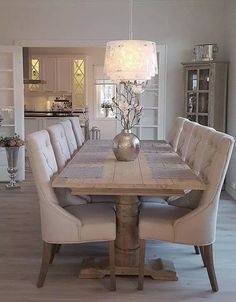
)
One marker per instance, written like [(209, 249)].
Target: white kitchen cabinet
[(49, 73), (56, 72), (49, 121), (32, 124), (63, 74)]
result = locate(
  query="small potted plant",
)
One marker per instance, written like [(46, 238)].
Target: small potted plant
[(12, 145), (106, 106)]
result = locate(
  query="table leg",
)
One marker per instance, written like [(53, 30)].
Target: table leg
[(127, 247), (127, 243)]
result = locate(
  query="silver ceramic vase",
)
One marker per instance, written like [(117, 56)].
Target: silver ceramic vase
[(12, 159), (126, 146)]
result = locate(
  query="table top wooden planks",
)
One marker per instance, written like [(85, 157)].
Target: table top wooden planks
[(158, 170)]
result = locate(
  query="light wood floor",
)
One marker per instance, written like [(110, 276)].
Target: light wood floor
[(20, 252)]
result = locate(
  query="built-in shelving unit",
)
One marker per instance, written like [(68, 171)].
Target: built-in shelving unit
[(11, 103)]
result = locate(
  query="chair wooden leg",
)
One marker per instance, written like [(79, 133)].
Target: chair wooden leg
[(208, 256), (54, 250), (141, 263), (58, 248), (112, 264), (47, 252), (196, 249), (202, 254)]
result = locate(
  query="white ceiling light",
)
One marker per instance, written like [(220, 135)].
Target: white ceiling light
[(130, 60)]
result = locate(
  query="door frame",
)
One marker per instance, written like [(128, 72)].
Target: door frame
[(161, 48)]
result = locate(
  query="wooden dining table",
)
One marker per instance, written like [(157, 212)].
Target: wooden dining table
[(157, 171)]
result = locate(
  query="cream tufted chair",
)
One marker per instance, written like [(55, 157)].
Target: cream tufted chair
[(194, 157), (176, 131), (73, 224), (186, 226), (184, 138), (62, 155), (58, 138), (77, 131), (59, 144), (71, 141)]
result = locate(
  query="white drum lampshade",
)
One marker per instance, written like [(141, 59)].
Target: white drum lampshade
[(130, 60)]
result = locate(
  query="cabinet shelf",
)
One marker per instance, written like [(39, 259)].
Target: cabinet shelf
[(197, 91), (7, 89), (6, 70)]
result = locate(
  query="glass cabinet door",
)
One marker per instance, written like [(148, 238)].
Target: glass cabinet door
[(204, 79), (197, 94), (192, 79)]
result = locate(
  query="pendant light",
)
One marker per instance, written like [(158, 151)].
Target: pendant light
[(130, 60)]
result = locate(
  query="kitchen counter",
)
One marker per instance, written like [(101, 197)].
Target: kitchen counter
[(52, 113), (39, 120)]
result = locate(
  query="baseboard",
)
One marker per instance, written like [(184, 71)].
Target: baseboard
[(231, 191)]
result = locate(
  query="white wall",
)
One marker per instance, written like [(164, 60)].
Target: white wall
[(177, 23), (180, 24), (231, 56)]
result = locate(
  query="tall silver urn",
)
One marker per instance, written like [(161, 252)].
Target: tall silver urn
[(12, 159)]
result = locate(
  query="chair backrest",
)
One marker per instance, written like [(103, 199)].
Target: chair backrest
[(197, 146), (71, 141), (77, 131), (199, 226), (57, 225), (59, 144), (175, 134), (184, 138)]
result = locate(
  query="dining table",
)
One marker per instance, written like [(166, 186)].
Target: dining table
[(157, 171)]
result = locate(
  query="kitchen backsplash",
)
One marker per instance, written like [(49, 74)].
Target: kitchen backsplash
[(41, 103)]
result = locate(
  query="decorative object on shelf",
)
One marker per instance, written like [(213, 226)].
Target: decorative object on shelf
[(107, 107), (131, 63), (12, 145), (127, 109), (7, 113), (205, 52)]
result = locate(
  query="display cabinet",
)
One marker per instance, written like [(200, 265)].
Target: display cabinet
[(205, 93), (11, 104)]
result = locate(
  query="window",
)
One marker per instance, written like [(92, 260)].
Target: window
[(105, 90)]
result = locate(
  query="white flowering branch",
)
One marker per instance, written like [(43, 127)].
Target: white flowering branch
[(127, 108)]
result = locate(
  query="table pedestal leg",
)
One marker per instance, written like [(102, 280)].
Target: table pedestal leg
[(127, 248), (127, 243)]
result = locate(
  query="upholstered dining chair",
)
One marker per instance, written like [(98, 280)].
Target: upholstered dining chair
[(70, 136), (179, 142), (184, 138), (185, 226), (77, 131), (194, 157), (69, 225), (176, 131), (59, 142)]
